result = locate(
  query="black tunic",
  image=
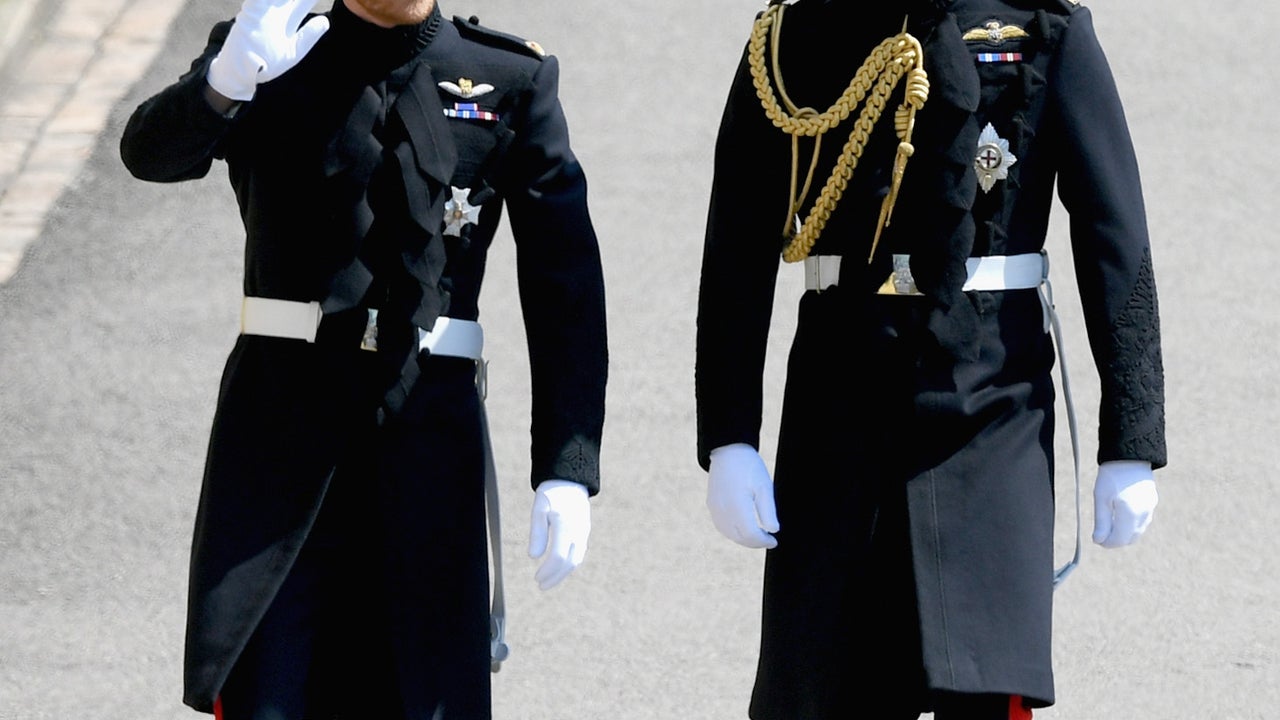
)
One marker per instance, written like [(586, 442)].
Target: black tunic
[(914, 476), (342, 168)]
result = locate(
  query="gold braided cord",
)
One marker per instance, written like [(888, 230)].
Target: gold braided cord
[(895, 57)]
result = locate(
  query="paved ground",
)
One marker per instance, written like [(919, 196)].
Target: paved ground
[(121, 306), (64, 75)]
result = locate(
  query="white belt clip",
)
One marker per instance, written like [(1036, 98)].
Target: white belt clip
[(821, 272)]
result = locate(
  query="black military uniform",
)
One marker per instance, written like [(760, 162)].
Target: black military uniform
[(344, 488), (914, 476)]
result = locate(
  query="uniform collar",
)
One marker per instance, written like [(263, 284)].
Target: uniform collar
[(403, 41)]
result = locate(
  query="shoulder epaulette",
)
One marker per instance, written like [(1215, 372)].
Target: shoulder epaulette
[(473, 30), (1061, 7)]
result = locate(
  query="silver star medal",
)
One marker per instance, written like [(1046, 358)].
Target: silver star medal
[(993, 159), (459, 213)]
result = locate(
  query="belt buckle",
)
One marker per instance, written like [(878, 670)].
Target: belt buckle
[(900, 280), (369, 341)]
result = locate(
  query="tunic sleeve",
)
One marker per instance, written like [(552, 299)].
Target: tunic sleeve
[(739, 274), (175, 135), (1099, 185), (561, 290)]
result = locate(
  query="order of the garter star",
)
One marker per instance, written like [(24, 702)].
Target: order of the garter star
[(993, 159)]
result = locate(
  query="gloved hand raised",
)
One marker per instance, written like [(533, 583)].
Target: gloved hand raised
[(266, 40), (740, 496), (558, 530), (1124, 499)]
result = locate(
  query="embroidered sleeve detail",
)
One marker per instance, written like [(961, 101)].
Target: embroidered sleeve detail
[(1132, 414), (579, 461)]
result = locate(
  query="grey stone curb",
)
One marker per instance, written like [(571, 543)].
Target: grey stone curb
[(17, 17), (58, 89)]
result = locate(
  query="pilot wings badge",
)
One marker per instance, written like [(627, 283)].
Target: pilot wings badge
[(465, 88), (995, 32)]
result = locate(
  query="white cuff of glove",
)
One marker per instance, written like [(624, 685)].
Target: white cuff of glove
[(740, 496), (266, 40), (234, 76), (559, 529), (1124, 499)]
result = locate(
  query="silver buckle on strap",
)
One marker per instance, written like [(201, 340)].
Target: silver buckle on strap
[(900, 281), (369, 341)]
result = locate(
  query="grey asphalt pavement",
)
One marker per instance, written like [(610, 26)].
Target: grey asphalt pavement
[(114, 327)]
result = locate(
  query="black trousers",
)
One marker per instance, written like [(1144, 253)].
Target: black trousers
[(955, 706)]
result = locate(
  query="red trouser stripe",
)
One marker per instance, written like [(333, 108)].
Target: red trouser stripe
[(217, 708), (1017, 711)]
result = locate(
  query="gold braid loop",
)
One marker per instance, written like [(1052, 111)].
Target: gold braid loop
[(873, 83)]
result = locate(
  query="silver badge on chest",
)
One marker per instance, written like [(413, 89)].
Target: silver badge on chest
[(459, 212), (993, 160)]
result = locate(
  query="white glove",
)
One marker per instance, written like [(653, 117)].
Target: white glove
[(740, 496), (558, 530), (1124, 499), (265, 41)]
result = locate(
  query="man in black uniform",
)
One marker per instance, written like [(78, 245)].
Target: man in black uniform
[(339, 564), (911, 561)]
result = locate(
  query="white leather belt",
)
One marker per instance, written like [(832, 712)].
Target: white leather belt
[(452, 337), (989, 273), (280, 318), (1006, 272), (296, 320)]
